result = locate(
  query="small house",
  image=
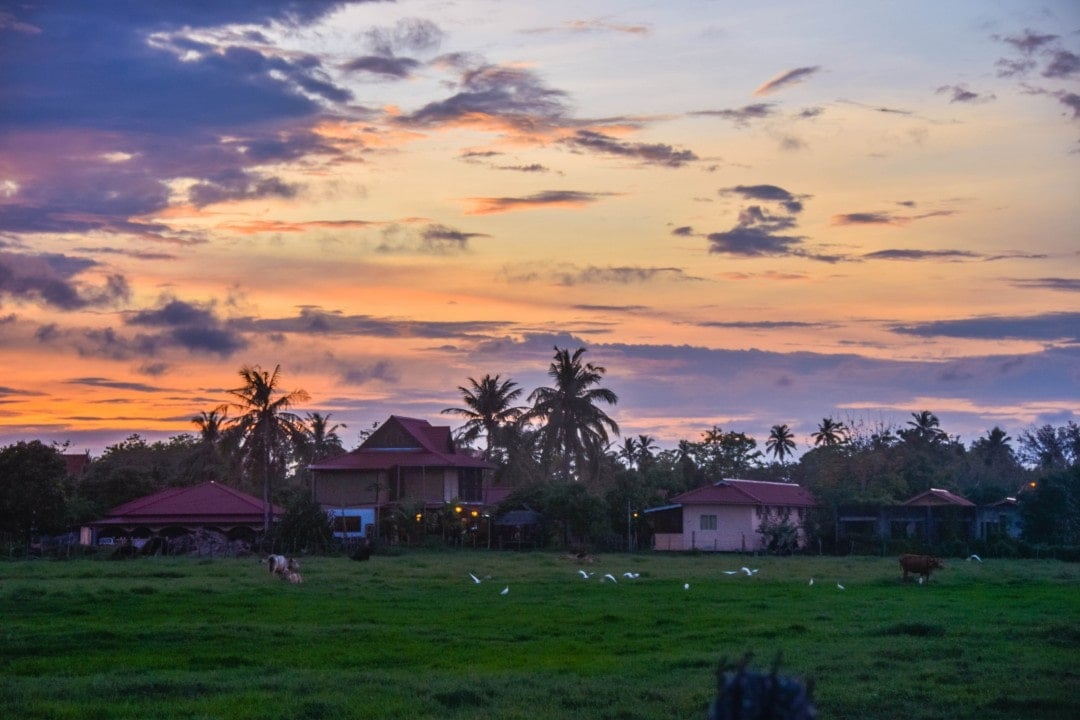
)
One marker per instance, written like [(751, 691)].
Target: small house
[(727, 515)]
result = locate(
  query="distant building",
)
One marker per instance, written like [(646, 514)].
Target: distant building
[(76, 463), (727, 515), (405, 462)]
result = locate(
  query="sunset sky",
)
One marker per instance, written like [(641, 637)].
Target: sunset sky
[(748, 213)]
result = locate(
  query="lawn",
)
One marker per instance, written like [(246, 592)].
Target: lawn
[(413, 637)]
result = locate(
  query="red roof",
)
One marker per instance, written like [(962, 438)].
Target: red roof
[(935, 496), (208, 504), (748, 492), (404, 442)]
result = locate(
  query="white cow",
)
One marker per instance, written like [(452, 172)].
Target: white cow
[(280, 565)]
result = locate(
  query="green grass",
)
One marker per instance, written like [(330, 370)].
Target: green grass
[(413, 637)]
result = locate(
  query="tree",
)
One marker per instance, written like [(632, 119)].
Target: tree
[(489, 407), (1051, 511), (267, 427), (925, 429), (32, 498), (574, 430), (628, 452), (1050, 448), (210, 461), (781, 442), (726, 454), (830, 433)]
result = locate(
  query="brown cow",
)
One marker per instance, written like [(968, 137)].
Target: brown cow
[(922, 565)]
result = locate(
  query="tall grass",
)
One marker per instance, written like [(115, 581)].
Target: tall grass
[(414, 637)]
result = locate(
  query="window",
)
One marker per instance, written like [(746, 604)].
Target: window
[(708, 522), (470, 485)]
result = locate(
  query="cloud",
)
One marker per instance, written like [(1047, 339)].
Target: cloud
[(898, 254), (316, 321), (547, 198), (624, 275), (1046, 327), (495, 95), (885, 218), (593, 26), (1027, 42), (762, 325), (740, 116), (50, 279), (392, 67), (1063, 64), (100, 382), (649, 153), (408, 34), (770, 193), (746, 241), (960, 94), (1049, 283), (151, 99), (785, 79), (190, 326)]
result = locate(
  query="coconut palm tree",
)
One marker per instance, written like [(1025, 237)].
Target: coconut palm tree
[(210, 454), (266, 426), (781, 442), (628, 452), (924, 428), (574, 430), (646, 452), (489, 407), (830, 433)]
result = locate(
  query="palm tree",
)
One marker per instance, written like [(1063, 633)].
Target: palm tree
[(925, 427), (266, 426), (321, 437), (781, 442), (574, 429), (646, 449), (209, 457), (629, 452), (830, 433), (489, 406)]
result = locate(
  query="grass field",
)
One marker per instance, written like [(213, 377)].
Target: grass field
[(414, 637)]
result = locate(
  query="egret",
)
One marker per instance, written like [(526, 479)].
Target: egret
[(731, 572), (505, 590), (975, 557), (686, 586), (585, 574), (811, 581), (841, 587), (610, 577), (631, 575), (475, 579)]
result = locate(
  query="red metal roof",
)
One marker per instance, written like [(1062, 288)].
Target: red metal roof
[(936, 496), (404, 442), (208, 504), (748, 492)]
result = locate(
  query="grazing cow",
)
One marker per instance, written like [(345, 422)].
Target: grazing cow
[(279, 564), (291, 576), (922, 565)]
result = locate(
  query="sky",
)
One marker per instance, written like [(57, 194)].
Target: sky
[(749, 214)]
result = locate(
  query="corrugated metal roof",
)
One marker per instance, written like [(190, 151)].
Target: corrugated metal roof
[(937, 496), (429, 446), (748, 492), (210, 502)]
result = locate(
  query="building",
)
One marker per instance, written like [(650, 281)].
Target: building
[(179, 511), (929, 517), (404, 463), (727, 515)]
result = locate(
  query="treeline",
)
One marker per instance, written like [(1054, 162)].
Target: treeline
[(562, 453)]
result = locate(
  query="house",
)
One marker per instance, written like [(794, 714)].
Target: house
[(179, 511), (931, 516), (727, 515), (999, 520), (404, 463)]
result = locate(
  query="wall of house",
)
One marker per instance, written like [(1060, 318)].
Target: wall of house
[(349, 488), (736, 528), (421, 485)]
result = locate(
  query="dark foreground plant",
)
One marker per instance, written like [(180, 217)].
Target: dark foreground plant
[(743, 694)]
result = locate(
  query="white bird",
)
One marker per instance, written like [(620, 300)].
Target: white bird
[(975, 557), (631, 575), (505, 590), (610, 577), (585, 574), (748, 571), (841, 587), (686, 586), (475, 579), (920, 579), (731, 572), (811, 581)]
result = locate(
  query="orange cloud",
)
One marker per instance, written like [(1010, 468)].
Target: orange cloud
[(548, 198)]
